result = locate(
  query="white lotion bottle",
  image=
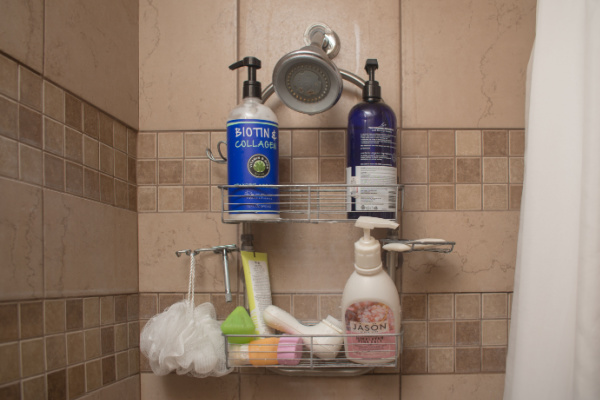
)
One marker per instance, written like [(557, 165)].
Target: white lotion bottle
[(370, 302)]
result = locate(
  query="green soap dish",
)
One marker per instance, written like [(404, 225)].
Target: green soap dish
[(238, 323)]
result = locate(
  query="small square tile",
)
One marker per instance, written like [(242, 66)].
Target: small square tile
[(441, 143), (468, 333), (468, 359), (468, 170), (91, 152), (11, 392), (121, 308), (75, 348), (495, 197), (441, 306), (56, 384), (9, 118), (91, 184), (133, 307), (107, 310), (222, 307), (305, 307), (120, 137), (441, 197), (515, 194), (31, 165), (333, 170), (440, 333), (73, 111), (196, 198), (170, 198), (32, 319), (121, 339), (31, 127), (56, 352), (166, 300), (91, 121), (285, 143), (197, 172), (107, 159), (415, 198), (494, 332), (146, 199), (441, 360), (495, 170), (468, 197), (414, 307), (121, 165), (54, 102), (170, 145), (9, 368), (122, 365), (133, 330), (76, 379), (493, 359), (132, 191), (107, 189), (54, 137), (330, 305), (132, 142), (441, 170), (73, 145), (121, 194), (284, 301), (55, 316), (413, 143), (147, 145), (93, 344), (30, 89), (415, 333), (468, 305), (148, 305), (9, 77), (93, 375), (34, 389), (414, 361), (91, 312), (332, 143), (32, 357), (285, 170), (134, 361), (517, 169), (495, 305), (305, 170), (146, 172), (170, 172), (74, 178), (413, 170), (9, 158), (516, 143), (495, 143), (54, 172), (74, 314), (107, 340), (9, 329), (195, 144), (106, 132), (131, 170), (218, 174), (108, 370), (305, 143)]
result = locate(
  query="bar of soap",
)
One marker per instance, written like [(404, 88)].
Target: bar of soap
[(238, 323), (289, 350)]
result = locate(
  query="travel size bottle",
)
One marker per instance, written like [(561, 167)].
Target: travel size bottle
[(372, 153)]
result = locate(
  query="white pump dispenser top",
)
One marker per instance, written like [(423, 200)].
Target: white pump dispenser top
[(367, 250)]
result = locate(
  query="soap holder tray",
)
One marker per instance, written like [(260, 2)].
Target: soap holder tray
[(307, 360)]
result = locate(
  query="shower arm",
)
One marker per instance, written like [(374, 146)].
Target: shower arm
[(346, 75)]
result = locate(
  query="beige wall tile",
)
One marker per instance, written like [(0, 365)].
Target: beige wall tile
[(440, 333), (441, 306), (493, 359), (107, 310), (73, 145), (93, 374), (516, 169), (91, 184), (74, 178), (170, 145), (73, 111), (330, 305), (146, 199), (305, 170), (170, 172), (494, 332), (468, 333), (305, 143), (91, 123), (468, 305), (91, 312), (415, 333), (162, 234), (160, 387), (106, 129), (441, 170), (121, 165), (285, 143), (515, 193), (108, 370), (415, 197), (31, 316), (30, 127), (107, 189), (54, 137), (147, 145), (34, 388), (453, 387), (495, 143), (93, 344), (54, 172), (132, 142), (22, 274), (56, 383), (74, 314), (146, 172), (414, 361), (483, 258), (9, 158), (468, 170), (495, 170), (495, 197), (414, 306), (31, 167), (55, 316), (32, 357), (441, 360), (56, 352), (120, 137), (468, 197), (75, 348), (270, 387), (9, 315), (285, 170), (197, 172), (54, 102), (69, 244), (170, 198), (9, 75), (9, 353), (196, 198), (91, 152), (494, 305), (195, 144), (332, 143), (516, 143), (9, 118), (30, 88), (23, 24), (359, 38), (121, 194), (465, 69), (413, 143), (441, 197), (468, 143), (413, 170), (332, 170), (305, 307), (105, 70), (468, 359), (107, 340), (441, 143), (107, 159), (76, 379), (176, 71)]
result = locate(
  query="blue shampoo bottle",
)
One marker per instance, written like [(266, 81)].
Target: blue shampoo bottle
[(371, 153)]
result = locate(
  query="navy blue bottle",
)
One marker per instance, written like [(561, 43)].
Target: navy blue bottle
[(371, 153)]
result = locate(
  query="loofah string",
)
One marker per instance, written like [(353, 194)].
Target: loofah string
[(192, 280)]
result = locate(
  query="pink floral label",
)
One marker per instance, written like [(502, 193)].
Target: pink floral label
[(370, 318)]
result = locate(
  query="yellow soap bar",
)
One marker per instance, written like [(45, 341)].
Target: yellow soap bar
[(263, 351)]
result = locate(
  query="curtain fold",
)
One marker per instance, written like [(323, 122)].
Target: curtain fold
[(554, 342)]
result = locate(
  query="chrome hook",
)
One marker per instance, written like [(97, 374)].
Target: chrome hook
[(212, 158)]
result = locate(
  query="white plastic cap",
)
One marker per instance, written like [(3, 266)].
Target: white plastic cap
[(367, 250)]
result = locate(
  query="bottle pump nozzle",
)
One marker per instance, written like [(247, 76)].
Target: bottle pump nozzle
[(367, 251), (252, 87), (371, 90)]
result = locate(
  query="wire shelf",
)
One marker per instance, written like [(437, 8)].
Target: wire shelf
[(380, 353), (309, 203)]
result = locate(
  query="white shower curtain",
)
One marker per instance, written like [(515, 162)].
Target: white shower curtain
[(554, 343)]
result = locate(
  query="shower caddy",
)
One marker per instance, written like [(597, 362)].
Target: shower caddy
[(318, 203)]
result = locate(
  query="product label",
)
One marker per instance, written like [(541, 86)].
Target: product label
[(370, 318), (252, 159), (372, 198)]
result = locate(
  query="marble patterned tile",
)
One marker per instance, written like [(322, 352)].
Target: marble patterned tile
[(23, 31), (182, 387), (453, 387)]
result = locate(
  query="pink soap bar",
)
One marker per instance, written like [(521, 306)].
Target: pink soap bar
[(289, 350)]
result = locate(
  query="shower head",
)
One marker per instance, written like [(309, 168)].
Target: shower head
[(306, 80)]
